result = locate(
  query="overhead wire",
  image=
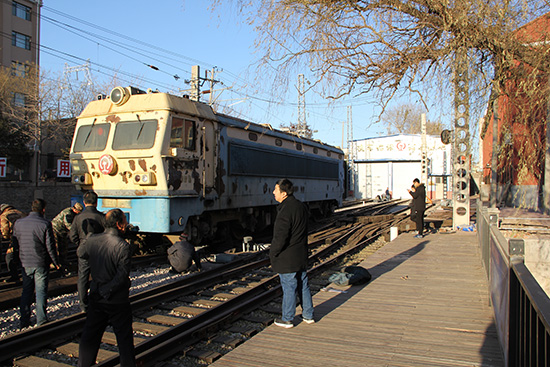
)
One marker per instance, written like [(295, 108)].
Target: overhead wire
[(182, 58)]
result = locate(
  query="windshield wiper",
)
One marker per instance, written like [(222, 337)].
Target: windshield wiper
[(90, 132), (140, 127)]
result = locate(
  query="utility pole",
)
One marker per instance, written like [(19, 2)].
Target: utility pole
[(301, 129), (195, 83), (424, 158), (546, 193), (461, 141), (351, 151)]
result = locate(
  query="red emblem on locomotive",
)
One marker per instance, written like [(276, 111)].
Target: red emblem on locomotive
[(107, 164)]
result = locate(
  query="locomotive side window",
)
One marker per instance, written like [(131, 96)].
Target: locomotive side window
[(183, 134), (91, 138), (135, 135)]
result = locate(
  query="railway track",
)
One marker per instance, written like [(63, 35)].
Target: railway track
[(175, 317)]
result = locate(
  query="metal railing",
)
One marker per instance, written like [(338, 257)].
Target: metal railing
[(520, 305)]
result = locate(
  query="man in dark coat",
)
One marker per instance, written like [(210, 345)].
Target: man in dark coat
[(182, 253), (289, 253), (88, 222), (418, 193), (33, 239), (109, 256)]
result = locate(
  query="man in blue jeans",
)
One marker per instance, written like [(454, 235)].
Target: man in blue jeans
[(34, 240), (289, 253)]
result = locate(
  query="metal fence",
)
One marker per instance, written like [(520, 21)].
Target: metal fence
[(521, 307)]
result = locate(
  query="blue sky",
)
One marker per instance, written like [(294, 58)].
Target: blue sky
[(124, 37)]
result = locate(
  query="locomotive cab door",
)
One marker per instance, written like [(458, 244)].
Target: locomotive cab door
[(208, 149)]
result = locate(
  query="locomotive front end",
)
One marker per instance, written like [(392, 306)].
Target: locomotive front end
[(116, 152)]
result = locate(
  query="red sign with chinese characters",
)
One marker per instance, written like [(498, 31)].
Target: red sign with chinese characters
[(63, 168), (3, 165)]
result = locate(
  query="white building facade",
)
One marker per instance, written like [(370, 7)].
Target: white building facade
[(393, 162)]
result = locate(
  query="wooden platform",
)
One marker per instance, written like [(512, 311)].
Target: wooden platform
[(427, 305)]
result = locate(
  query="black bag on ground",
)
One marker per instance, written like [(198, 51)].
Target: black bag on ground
[(351, 275)]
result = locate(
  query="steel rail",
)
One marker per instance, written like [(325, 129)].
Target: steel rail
[(67, 327), (39, 337), (173, 340)]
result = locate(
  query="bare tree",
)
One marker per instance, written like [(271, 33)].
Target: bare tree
[(39, 108), (390, 47), (406, 119)]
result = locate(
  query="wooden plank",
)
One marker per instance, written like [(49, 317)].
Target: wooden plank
[(186, 310), (427, 305), (244, 330), (110, 338), (71, 350), (224, 296), (214, 293), (206, 303), (230, 341), (240, 290), (148, 328), (166, 320), (33, 361), (205, 355)]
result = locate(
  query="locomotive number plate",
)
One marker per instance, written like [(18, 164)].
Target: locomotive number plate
[(116, 203)]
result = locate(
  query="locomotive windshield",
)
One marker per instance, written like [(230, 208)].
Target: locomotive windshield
[(135, 135), (91, 138)]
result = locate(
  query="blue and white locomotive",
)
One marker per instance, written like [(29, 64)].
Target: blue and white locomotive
[(173, 164)]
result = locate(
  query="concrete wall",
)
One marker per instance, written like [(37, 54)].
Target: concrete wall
[(21, 194), (537, 260)]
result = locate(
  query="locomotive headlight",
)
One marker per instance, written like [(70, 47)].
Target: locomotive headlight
[(82, 179), (119, 95), (145, 179)]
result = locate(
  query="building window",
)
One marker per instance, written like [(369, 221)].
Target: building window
[(19, 99), (21, 11), (19, 69), (20, 40)]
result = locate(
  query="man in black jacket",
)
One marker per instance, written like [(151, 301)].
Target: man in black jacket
[(33, 239), (109, 257), (289, 253), (418, 192), (89, 221)]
